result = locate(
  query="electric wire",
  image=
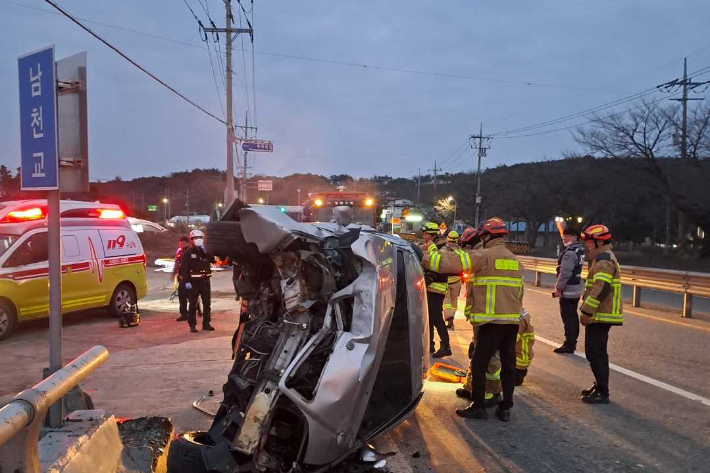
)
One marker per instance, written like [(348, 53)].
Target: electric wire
[(141, 68)]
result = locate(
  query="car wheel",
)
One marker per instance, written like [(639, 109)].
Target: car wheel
[(8, 319), (123, 296), (185, 455)]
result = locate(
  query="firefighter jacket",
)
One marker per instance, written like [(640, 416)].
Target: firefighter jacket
[(457, 277), (525, 341), (602, 293), (569, 271), (435, 282), (497, 280), (195, 264)]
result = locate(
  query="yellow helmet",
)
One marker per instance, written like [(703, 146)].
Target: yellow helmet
[(453, 236), (430, 228)]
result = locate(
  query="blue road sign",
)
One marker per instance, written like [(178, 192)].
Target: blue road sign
[(38, 120), (258, 146)]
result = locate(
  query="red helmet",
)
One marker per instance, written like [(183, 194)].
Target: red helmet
[(469, 234), (597, 232), (494, 226)]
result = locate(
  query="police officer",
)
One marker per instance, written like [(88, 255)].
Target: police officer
[(182, 291), (601, 308), (497, 305), (436, 292), (569, 287), (196, 273)]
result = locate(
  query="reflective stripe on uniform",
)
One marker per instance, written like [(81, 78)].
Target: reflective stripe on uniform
[(438, 287), (507, 265), (523, 361), (465, 260), (454, 279), (606, 277), (478, 316), (592, 302), (435, 262), (495, 376)]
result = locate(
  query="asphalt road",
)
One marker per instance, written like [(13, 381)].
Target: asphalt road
[(646, 428), (652, 424)]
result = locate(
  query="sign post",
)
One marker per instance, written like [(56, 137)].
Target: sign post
[(40, 171)]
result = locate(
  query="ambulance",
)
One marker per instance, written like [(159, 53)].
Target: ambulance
[(103, 263)]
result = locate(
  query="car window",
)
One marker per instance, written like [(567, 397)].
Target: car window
[(70, 246), (6, 242), (33, 250)]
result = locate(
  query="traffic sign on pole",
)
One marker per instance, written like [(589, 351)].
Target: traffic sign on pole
[(258, 146), (38, 120), (265, 185)]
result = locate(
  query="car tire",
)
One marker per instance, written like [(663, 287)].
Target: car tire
[(185, 454), (226, 240), (123, 294), (8, 319)]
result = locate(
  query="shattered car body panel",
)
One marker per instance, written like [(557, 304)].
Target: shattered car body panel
[(332, 348)]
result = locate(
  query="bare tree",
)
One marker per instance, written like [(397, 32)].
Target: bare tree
[(646, 132)]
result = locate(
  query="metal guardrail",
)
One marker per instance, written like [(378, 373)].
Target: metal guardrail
[(687, 283), (21, 419)]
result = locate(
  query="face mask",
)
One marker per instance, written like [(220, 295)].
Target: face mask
[(199, 242)]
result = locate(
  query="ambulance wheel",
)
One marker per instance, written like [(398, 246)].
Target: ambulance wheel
[(123, 296), (8, 319)]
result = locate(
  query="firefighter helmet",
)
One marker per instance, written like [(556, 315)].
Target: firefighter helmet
[(597, 232), (470, 234), (494, 226), (430, 228), (453, 236), (196, 234)]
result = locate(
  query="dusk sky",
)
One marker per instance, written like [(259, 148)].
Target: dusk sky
[(507, 64)]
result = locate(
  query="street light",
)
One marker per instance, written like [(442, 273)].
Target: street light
[(165, 208), (261, 201), (456, 204), (579, 219)]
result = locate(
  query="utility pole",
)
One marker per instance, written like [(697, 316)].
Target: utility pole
[(229, 31), (687, 84), (245, 167), (435, 171), (482, 151), (419, 183)]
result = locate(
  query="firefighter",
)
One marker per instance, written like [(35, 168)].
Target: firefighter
[(568, 287), (454, 282), (471, 239), (601, 308), (196, 273), (436, 291), (497, 304), (524, 347)]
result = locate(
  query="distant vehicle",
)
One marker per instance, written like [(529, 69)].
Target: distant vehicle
[(145, 226), (103, 263), (320, 205), (192, 221)]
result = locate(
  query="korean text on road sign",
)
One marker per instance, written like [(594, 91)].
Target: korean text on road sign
[(38, 120)]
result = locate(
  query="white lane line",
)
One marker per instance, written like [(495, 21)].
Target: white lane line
[(640, 377)]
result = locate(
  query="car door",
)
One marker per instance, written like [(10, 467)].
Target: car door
[(29, 270), (81, 288)]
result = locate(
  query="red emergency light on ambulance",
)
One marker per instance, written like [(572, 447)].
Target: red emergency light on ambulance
[(103, 263)]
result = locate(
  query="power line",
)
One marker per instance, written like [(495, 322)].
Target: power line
[(335, 62), (124, 56)]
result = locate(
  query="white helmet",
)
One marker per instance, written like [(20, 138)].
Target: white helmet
[(196, 234)]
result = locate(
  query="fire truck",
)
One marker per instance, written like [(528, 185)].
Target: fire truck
[(320, 205)]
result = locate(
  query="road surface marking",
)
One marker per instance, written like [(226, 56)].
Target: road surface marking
[(638, 376), (639, 314)]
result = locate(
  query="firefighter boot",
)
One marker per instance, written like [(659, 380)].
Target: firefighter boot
[(491, 401), (442, 352), (503, 414), (596, 397), (588, 392), (473, 412), (461, 392)]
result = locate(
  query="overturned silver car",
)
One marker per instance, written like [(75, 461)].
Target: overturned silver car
[(330, 351)]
